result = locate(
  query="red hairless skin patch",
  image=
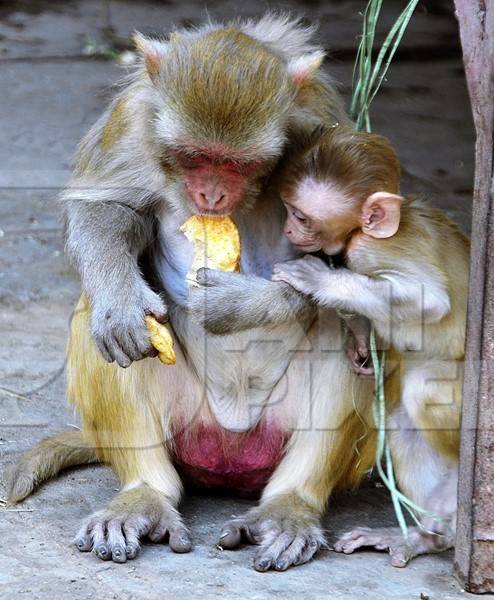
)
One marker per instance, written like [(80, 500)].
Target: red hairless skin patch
[(214, 181), (215, 458)]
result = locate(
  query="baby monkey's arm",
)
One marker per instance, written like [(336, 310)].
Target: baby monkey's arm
[(335, 288), (371, 297)]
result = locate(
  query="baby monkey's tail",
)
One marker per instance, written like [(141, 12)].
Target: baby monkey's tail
[(46, 460)]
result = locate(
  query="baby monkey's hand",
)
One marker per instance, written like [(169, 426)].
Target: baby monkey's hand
[(357, 346), (312, 276), (307, 275)]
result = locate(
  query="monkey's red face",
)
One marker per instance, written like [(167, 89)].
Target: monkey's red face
[(216, 185)]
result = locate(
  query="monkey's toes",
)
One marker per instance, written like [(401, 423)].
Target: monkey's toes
[(111, 538), (288, 549), (115, 535), (357, 538), (236, 531), (389, 539), (230, 537), (178, 535), (286, 530)]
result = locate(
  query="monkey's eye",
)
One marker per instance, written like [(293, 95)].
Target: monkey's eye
[(299, 216)]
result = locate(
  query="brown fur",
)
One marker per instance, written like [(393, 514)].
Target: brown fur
[(120, 422), (427, 242), (45, 460), (202, 66), (426, 237), (115, 127), (359, 163)]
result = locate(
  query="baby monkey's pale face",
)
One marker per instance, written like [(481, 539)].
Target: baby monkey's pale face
[(320, 216)]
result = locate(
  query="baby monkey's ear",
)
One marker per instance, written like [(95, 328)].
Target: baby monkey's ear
[(380, 215)]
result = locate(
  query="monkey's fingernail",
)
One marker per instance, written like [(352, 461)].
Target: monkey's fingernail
[(102, 552), (81, 545), (119, 555), (182, 545), (263, 565), (131, 550), (281, 565)]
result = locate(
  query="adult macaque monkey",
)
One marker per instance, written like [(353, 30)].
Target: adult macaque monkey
[(198, 129), (408, 273)]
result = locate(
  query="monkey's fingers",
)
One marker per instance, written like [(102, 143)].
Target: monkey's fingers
[(237, 530), (180, 541), (231, 536), (389, 539), (162, 340), (299, 548), (209, 277), (401, 555), (280, 276), (172, 528)]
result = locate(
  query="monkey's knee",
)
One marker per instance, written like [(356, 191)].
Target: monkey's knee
[(438, 426)]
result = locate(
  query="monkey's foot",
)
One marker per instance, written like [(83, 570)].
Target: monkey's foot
[(115, 533), (391, 539), (286, 529)]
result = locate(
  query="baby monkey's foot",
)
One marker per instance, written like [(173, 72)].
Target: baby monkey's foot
[(391, 539), (115, 533)]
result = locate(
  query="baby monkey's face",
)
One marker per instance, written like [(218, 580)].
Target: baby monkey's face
[(320, 216)]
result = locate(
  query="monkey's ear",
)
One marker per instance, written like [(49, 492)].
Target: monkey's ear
[(303, 68), (151, 50), (380, 215)]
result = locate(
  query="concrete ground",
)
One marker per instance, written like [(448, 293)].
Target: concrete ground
[(51, 91)]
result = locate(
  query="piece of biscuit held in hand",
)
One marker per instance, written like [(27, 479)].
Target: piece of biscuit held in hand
[(216, 244), (162, 340)]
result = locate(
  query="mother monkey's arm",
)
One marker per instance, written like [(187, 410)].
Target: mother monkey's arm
[(227, 303)]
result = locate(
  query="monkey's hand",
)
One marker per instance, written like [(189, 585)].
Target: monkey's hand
[(357, 345), (227, 303), (307, 275), (118, 324)]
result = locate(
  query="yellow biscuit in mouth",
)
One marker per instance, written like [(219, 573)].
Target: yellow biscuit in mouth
[(216, 244), (162, 340)]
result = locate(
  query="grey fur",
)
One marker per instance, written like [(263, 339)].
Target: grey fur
[(238, 302)]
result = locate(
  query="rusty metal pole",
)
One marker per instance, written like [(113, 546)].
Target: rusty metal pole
[(474, 554)]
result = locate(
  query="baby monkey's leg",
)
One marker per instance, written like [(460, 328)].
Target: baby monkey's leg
[(427, 479)]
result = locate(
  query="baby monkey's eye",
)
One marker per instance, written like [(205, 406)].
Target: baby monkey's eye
[(299, 216)]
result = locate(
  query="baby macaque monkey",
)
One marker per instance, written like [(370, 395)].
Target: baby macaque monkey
[(406, 270)]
